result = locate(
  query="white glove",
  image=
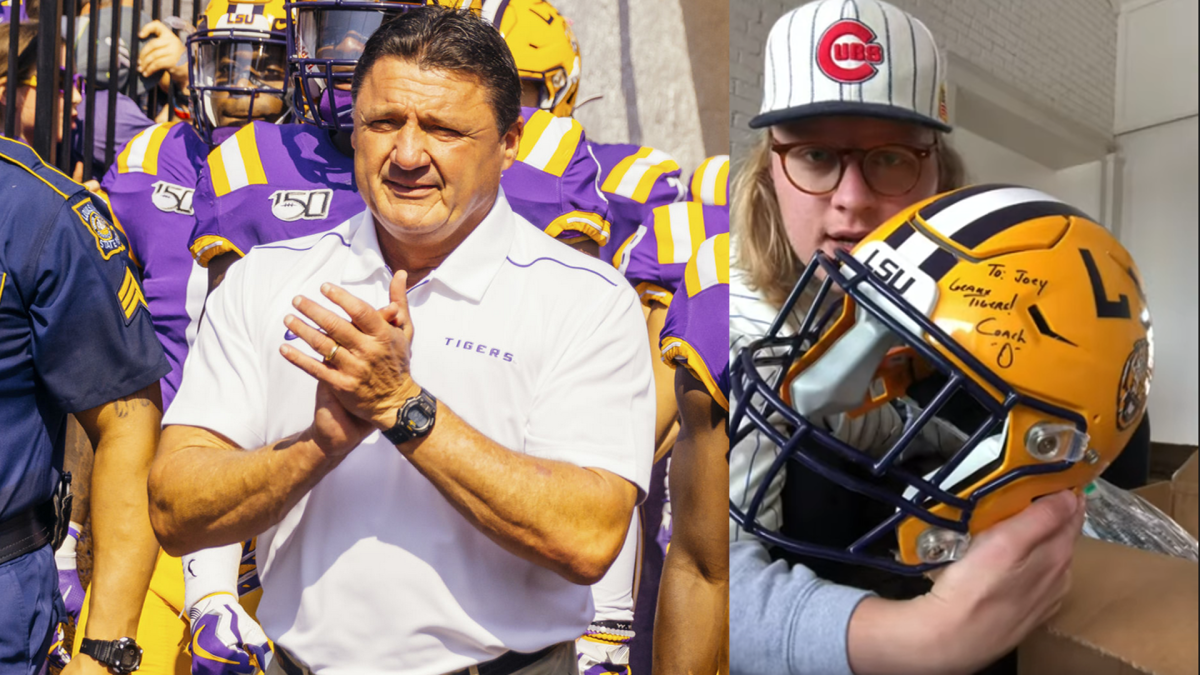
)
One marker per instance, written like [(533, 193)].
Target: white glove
[(225, 640)]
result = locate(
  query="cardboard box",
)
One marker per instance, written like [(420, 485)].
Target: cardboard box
[(1129, 611)]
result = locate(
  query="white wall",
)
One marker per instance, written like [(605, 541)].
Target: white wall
[(988, 162), (1156, 110), (645, 79)]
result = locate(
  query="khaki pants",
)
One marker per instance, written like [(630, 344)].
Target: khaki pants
[(560, 661)]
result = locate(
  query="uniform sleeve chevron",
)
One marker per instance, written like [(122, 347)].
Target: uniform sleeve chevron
[(131, 295)]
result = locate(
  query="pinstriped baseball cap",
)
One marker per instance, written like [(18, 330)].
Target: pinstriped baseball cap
[(852, 57)]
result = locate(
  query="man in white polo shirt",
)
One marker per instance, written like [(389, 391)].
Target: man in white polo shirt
[(436, 461)]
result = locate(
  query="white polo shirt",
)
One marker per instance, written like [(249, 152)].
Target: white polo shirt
[(540, 348)]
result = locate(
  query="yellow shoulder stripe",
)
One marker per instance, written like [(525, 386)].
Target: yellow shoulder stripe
[(549, 142), (21, 164), (141, 152), (236, 163), (634, 176), (710, 265), (679, 231)]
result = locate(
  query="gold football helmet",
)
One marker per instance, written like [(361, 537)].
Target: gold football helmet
[(545, 49), (237, 65), (996, 340)]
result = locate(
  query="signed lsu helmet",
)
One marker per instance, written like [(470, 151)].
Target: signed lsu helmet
[(238, 48), (325, 39), (544, 47), (1003, 333)]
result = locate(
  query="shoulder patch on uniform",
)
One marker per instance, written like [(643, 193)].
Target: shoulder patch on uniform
[(108, 242), (131, 296), (549, 142)]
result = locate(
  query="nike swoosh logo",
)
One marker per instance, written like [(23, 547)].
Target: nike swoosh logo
[(204, 653), (68, 591)]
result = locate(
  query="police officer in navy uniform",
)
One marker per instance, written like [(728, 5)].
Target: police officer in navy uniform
[(75, 337)]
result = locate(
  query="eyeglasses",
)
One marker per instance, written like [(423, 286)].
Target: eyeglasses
[(76, 80), (815, 169)]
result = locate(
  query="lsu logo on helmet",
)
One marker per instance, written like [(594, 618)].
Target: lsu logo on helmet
[(545, 49)]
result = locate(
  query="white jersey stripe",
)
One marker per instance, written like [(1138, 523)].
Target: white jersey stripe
[(708, 182), (548, 142), (681, 232), (235, 168), (138, 147), (633, 176)]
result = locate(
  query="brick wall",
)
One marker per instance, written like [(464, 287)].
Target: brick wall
[(1062, 52)]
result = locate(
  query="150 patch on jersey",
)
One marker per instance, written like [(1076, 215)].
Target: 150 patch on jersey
[(292, 205), (172, 198), (108, 242)]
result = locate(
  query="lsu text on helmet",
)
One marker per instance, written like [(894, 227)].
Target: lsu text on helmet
[(237, 65)]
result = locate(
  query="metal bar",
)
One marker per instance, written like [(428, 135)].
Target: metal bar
[(47, 75), (135, 47), (89, 101), (10, 84), (171, 91), (64, 148), (110, 136), (152, 95)]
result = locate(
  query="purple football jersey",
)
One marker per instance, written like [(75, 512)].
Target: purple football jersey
[(150, 188), (696, 332), (555, 182), (635, 180), (270, 182), (655, 256)]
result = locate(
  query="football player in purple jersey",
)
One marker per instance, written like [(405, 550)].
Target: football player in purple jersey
[(237, 63), (691, 632), (634, 179), (266, 184)]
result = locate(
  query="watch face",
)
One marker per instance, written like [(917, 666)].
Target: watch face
[(418, 417)]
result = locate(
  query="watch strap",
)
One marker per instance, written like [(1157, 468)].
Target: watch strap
[(101, 650)]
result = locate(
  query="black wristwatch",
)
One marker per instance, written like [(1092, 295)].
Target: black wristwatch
[(121, 656), (414, 419)]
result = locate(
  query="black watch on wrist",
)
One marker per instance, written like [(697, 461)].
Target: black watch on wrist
[(121, 656), (414, 419)]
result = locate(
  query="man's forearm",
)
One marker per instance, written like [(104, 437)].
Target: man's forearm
[(123, 545), (206, 492), (557, 515), (691, 625)]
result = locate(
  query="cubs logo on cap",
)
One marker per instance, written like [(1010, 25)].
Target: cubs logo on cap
[(852, 57)]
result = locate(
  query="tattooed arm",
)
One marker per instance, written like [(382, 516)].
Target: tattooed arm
[(125, 435)]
